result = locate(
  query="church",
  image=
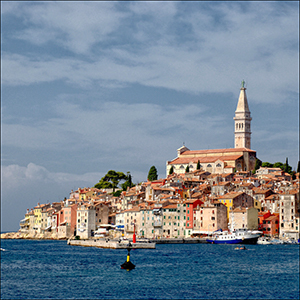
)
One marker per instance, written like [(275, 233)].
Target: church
[(216, 161)]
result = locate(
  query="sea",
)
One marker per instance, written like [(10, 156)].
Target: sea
[(49, 269)]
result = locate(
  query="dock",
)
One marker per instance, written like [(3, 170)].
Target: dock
[(144, 244), (179, 241), (111, 244)]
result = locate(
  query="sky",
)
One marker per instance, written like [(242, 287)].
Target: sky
[(88, 87)]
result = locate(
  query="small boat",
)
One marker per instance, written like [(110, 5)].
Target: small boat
[(264, 241), (240, 248)]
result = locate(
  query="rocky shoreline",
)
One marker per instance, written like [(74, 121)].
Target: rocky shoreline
[(28, 236)]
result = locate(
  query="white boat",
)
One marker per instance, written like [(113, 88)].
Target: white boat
[(238, 236), (264, 241), (235, 236)]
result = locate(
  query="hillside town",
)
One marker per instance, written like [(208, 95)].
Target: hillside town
[(203, 191), (185, 205)]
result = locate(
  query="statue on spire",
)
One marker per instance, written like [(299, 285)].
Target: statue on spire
[(243, 83)]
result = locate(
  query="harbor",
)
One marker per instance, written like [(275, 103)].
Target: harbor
[(111, 244), (142, 244)]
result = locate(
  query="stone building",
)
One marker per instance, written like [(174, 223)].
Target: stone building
[(289, 214), (210, 217), (240, 158), (244, 217), (85, 220)]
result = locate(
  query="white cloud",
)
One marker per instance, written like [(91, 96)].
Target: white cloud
[(19, 176), (225, 44), (142, 125)]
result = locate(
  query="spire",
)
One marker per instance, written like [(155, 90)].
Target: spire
[(242, 103)]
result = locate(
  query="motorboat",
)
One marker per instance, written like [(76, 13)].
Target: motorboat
[(264, 241), (234, 236), (237, 236)]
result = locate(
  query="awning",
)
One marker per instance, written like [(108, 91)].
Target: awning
[(201, 232), (48, 227), (101, 230), (63, 223), (119, 226), (106, 225)]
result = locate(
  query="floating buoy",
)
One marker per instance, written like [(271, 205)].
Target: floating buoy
[(128, 265)]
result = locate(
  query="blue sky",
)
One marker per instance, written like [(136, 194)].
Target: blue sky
[(92, 86)]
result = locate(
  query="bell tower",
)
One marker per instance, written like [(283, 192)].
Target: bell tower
[(242, 121)]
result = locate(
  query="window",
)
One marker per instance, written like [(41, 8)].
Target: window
[(209, 166), (184, 217), (188, 212)]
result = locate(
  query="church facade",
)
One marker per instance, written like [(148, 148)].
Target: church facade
[(216, 161)]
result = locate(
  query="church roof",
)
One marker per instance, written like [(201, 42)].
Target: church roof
[(226, 150), (209, 159)]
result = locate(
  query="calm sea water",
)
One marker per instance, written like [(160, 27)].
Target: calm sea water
[(54, 270)]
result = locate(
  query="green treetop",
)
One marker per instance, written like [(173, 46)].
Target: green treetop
[(152, 175)]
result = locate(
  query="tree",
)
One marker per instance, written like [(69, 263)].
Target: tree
[(286, 167), (152, 175), (198, 165), (187, 169), (267, 165), (171, 171), (128, 182), (278, 165), (258, 164), (110, 180)]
